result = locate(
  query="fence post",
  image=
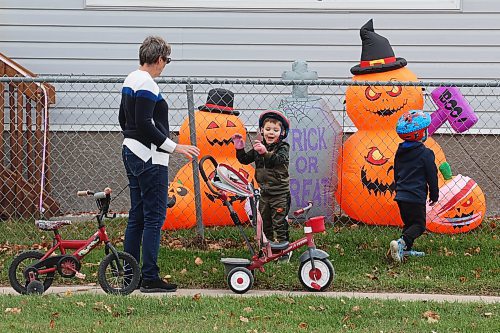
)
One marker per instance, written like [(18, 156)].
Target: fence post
[(196, 174)]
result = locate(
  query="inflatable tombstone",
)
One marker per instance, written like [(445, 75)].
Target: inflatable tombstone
[(315, 139)]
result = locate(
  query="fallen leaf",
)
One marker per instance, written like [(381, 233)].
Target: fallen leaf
[(198, 261), (488, 314), (196, 297), (248, 309), (244, 319), (183, 271), (80, 304), (13, 310), (371, 276), (52, 324), (431, 316), (68, 293), (462, 279), (303, 325), (356, 308)]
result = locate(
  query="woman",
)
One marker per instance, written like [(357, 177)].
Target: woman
[(146, 151)]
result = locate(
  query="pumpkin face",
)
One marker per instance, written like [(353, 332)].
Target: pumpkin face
[(366, 187), (183, 199), (213, 133), (379, 107), (183, 215), (461, 207)]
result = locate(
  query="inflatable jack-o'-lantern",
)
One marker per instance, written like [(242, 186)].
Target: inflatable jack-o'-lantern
[(379, 107), (182, 198), (461, 207), (366, 176), (182, 215), (216, 123), (366, 165)]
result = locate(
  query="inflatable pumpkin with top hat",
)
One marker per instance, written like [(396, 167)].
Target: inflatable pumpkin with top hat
[(215, 122)]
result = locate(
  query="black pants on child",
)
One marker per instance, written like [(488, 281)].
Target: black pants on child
[(274, 212), (413, 216)]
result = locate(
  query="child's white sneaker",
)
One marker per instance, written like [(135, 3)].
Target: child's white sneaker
[(396, 248)]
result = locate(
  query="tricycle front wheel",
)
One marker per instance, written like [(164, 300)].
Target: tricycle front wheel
[(319, 278)]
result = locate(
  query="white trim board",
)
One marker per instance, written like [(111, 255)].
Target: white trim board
[(373, 5)]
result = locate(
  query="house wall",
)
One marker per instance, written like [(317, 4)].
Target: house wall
[(65, 37)]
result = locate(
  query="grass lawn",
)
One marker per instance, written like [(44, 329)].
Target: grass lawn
[(463, 263), (107, 313)]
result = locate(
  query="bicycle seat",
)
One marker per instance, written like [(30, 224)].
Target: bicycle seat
[(279, 246), (51, 225)]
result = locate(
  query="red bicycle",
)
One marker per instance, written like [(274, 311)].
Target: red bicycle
[(32, 272)]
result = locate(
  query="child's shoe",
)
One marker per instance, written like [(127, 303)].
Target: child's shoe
[(413, 253), (396, 248)]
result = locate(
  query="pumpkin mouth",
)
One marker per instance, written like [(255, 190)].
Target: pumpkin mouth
[(171, 201), (389, 112), (221, 143), (376, 186), (463, 219)]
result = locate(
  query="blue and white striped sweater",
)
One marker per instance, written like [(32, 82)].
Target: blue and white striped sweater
[(143, 118)]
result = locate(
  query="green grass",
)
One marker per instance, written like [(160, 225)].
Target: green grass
[(463, 263), (106, 313)]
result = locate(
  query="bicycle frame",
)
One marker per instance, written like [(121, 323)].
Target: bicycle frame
[(81, 246)]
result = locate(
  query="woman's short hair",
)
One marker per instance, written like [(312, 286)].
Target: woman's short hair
[(152, 49)]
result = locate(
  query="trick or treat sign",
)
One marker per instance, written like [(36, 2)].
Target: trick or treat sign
[(314, 138)]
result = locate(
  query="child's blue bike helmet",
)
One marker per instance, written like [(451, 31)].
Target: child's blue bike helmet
[(412, 126)]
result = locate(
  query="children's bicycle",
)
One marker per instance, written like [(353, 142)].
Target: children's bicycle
[(32, 272), (316, 272)]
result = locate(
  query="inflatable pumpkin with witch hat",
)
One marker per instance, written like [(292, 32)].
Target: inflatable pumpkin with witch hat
[(215, 123), (366, 164)]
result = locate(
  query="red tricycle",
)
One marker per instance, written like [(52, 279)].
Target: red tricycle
[(32, 272), (315, 271)]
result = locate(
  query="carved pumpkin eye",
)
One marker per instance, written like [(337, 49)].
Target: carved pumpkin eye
[(469, 202), (230, 124), (181, 191), (212, 125), (395, 91), (371, 94)]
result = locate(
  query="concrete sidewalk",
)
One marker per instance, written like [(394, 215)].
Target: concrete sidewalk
[(258, 293)]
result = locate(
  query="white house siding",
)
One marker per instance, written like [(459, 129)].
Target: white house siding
[(65, 37)]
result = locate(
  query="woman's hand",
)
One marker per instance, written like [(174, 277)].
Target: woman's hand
[(187, 150)]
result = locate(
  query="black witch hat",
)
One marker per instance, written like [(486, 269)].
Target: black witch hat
[(377, 55)]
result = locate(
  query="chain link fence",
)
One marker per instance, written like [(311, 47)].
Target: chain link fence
[(342, 145)]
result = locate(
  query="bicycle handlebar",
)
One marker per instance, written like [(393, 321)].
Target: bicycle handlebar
[(204, 175), (303, 210), (97, 195)]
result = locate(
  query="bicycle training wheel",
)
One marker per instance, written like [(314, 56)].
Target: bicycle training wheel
[(16, 271)]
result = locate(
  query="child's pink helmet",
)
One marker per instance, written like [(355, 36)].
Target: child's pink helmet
[(285, 123)]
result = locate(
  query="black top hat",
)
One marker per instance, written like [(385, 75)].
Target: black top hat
[(377, 55), (219, 100)]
